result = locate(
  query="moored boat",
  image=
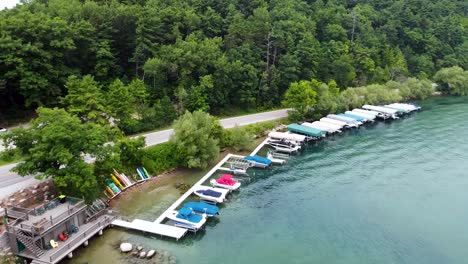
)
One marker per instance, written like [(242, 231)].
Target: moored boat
[(227, 182), (319, 126), (369, 117), (408, 107), (307, 131), (203, 208), (186, 218), (336, 122), (287, 136), (349, 121), (355, 117), (392, 113), (370, 112), (284, 146), (211, 194), (258, 161)]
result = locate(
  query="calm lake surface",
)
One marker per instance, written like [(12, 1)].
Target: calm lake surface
[(393, 192)]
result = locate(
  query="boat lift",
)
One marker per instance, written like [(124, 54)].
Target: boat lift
[(277, 158), (237, 166)]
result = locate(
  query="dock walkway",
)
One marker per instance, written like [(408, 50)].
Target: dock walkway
[(153, 228), (157, 227), (259, 147), (194, 187)]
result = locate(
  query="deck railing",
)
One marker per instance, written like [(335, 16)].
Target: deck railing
[(73, 204), (38, 228), (82, 236)]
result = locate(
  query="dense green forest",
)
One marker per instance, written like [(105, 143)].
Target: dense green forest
[(144, 62)]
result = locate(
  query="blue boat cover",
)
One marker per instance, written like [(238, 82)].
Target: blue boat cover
[(258, 159), (201, 207), (210, 193), (357, 118), (186, 213)]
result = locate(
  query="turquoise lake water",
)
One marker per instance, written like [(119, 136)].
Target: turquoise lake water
[(391, 192)]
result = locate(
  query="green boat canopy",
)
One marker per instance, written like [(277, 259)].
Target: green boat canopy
[(308, 131)]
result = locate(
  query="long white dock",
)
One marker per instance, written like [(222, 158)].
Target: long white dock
[(153, 228), (157, 227), (259, 147), (194, 187)]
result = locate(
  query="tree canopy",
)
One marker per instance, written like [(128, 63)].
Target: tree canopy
[(196, 137), (301, 96), (453, 80), (213, 55), (56, 146)]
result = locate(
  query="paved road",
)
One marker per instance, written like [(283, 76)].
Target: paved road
[(164, 135), (11, 182)]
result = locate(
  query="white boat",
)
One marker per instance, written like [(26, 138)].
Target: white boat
[(390, 112), (348, 120), (211, 194), (369, 118), (288, 136), (408, 107), (318, 126), (227, 182), (400, 111), (336, 127), (284, 146), (335, 122), (370, 112), (187, 218)]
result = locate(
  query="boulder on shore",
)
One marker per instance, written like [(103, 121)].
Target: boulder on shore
[(139, 248), (142, 254), (126, 247), (151, 253)]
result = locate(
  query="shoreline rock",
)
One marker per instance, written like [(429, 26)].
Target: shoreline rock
[(126, 247)]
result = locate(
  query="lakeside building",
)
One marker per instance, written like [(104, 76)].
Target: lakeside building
[(52, 230)]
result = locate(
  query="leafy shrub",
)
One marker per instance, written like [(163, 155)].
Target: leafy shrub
[(240, 138), (161, 157)]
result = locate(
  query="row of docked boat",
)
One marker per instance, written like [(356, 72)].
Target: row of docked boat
[(193, 215), (297, 134)]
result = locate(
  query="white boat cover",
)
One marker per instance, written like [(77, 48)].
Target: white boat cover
[(289, 136)]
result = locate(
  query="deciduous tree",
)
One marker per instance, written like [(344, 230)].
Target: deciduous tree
[(195, 139), (55, 145)]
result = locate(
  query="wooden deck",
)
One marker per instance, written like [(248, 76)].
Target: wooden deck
[(68, 246)]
